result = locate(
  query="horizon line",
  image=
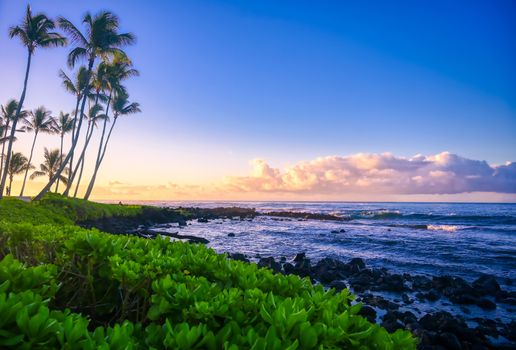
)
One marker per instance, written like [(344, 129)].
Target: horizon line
[(295, 201)]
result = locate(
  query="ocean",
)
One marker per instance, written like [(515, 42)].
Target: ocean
[(459, 239)]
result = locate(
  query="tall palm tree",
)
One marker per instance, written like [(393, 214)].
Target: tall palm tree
[(108, 78), (40, 121), (77, 87), (17, 166), (102, 39), (99, 83), (8, 114), (50, 165), (94, 117), (114, 73), (35, 31), (121, 106), (64, 125)]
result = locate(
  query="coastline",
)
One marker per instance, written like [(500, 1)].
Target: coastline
[(439, 310)]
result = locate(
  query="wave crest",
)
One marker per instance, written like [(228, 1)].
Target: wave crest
[(447, 228)]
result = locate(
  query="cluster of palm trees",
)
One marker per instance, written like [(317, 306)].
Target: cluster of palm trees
[(99, 95), (37, 121)]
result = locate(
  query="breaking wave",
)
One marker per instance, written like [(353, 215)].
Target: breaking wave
[(447, 228)]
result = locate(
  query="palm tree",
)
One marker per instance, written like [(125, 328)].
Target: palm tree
[(50, 166), (99, 84), (40, 121), (114, 72), (102, 39), (8, 114), (77, 86), (64, 124), (121, 106), (17, 166), (108, 77), (93, 118), (35, 31)]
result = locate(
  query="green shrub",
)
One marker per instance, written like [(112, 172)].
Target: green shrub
[(138, 293), (28, 323)]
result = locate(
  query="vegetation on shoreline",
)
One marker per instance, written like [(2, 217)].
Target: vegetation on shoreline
[(55, 209), (62, 286)]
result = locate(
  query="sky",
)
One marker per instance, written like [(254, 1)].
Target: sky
[(297, 100)]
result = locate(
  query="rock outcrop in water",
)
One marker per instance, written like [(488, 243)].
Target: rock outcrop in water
[(304, 216)]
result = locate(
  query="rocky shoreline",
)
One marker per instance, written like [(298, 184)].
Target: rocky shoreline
[(414, 302), (438, 329), (152, 216)]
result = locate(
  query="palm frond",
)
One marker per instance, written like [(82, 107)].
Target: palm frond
[(75, 34), (18, 164), (67, 82), (75, 55), (36, 174), (53, 39)]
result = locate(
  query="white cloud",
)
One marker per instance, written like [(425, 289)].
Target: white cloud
[(443, 173)]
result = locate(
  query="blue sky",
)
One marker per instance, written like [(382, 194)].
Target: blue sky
[(224, 82)]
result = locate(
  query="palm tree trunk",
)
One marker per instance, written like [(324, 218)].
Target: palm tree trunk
[(107, 139), (28, 164), (4, 136), (74, 127), (73, 172), (99, 154), (97, 166), (10, 188), (82, 161), (78, 180), (13, 127), (73, 132), (74, 143), (60, 160)]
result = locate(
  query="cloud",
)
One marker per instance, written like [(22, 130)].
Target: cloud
[(443, 173), (364, 177)]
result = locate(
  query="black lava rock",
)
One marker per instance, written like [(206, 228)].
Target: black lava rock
[(338, 285), (270, 263), (486, 304), (239, 257), (328, 270), (449, 341), (357, 264), (421, 283), (487, 285), (369, 313), (299, 257)]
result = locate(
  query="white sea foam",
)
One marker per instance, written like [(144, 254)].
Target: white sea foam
[(447, 228)]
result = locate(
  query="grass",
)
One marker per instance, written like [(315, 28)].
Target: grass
[(56, 209), (17, 211)]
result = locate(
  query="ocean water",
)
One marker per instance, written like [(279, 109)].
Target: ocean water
[(465, 240)]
